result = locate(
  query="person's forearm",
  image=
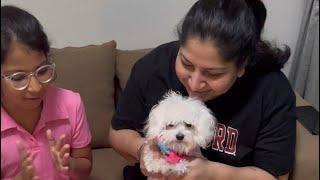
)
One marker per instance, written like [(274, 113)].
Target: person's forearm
[(80, 168), (225, 172), (126, 142)]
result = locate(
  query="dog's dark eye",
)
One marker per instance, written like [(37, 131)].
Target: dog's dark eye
[(170, 126), (188, 125)]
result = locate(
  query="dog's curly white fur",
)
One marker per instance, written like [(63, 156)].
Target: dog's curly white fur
[(183, 124)]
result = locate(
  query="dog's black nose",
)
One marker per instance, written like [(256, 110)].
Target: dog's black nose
[(179, 136)]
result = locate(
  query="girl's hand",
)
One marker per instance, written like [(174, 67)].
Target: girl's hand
[(59, 152), (27, 168)]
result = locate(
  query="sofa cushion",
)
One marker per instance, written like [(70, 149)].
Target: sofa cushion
[(124, 62), (90, 71), (107, 164), (306, 164), (300, 101)]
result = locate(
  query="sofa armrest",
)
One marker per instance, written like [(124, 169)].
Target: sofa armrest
[(306, 165)]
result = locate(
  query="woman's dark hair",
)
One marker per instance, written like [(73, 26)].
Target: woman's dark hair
[(234, 27), (17, 25)]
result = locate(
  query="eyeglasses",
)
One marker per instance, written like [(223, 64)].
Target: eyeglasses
[(21, 80)]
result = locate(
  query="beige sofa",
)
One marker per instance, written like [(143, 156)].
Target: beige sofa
[(100, 72)]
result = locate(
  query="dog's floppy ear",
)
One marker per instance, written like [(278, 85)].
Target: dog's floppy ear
[(206, 130), (153, 128)]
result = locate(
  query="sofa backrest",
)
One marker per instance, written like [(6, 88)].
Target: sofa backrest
[(124, 62), (90, 71)]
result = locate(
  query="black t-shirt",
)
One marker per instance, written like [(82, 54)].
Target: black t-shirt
[(256, 117)]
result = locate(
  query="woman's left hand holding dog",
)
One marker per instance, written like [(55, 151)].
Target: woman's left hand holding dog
[(156, 154), (198, 168), (60, 152)]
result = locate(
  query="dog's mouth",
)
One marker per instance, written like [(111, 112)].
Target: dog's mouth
[(179, 147), (179, 142)]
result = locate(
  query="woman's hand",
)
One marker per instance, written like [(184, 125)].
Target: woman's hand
[(154, 150), (27, 168), (198, 168), (59, 152)]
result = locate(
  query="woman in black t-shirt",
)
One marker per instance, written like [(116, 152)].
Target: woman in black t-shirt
[(220, 59)]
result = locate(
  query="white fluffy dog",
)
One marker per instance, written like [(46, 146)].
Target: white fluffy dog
[(180, 125)]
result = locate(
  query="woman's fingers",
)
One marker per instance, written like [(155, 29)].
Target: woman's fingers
[(50, 138), (149, 174), (60, 142), (26, 161), (59, 151), (65, 159), (23, 154), (54, 155), (156, 154), (65, 149), (64, 166), (25, 157)]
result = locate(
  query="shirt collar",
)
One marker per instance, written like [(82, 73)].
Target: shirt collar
[(6, 121)]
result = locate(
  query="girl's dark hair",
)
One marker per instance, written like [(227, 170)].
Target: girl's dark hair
[(234, 27), (18, 25)]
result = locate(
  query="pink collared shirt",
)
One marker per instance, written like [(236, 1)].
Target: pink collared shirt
[(63, 112)]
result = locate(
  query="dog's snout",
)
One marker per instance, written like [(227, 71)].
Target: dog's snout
[(179, 136)]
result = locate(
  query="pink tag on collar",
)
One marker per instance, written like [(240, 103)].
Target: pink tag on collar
[(169, 155), (172, 157)]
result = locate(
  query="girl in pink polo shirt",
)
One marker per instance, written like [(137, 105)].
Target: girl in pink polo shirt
[(44, 130)]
